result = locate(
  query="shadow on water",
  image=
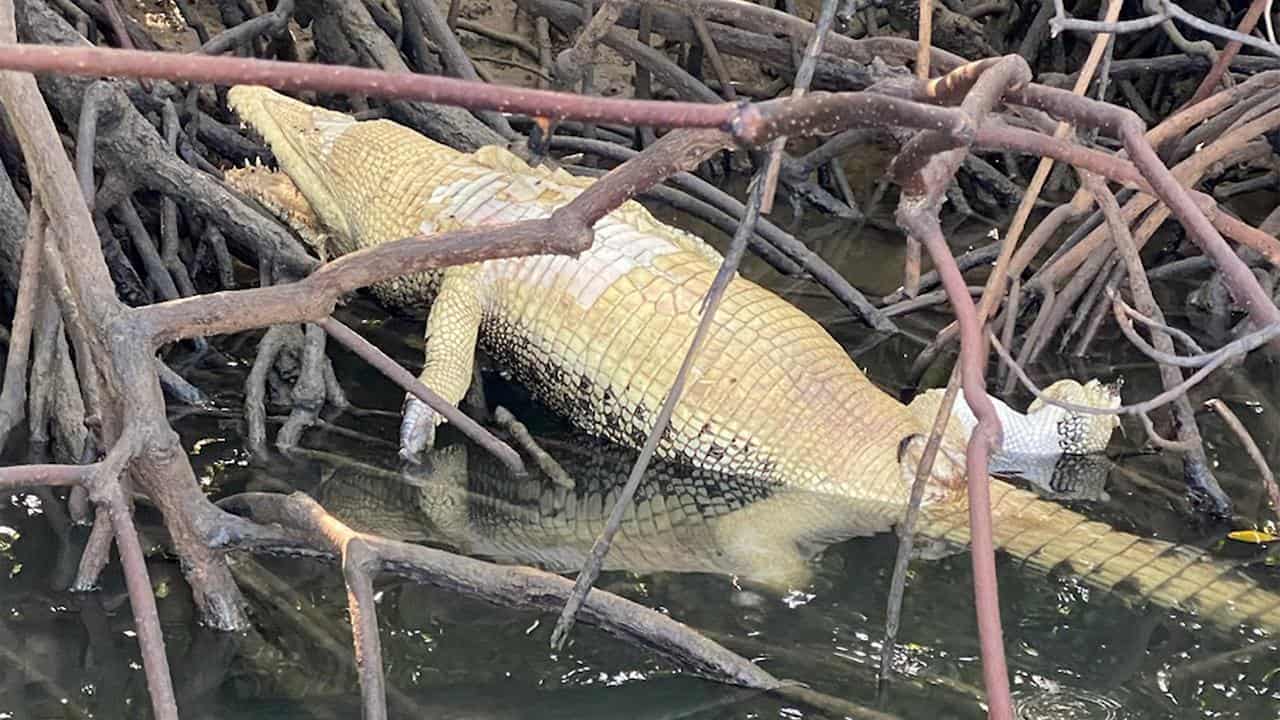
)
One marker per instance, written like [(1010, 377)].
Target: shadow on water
[(803, 607)]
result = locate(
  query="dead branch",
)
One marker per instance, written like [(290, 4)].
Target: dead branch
[(1251, 447), (751, 124), (13, 398), (983, 86), (1223, 61), (269, 23), (1196, 465), (308, 526)]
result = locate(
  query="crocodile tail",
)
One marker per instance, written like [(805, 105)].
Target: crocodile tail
[(1048, 536)]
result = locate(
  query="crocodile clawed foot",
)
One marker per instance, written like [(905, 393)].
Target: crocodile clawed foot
[(417, 429)]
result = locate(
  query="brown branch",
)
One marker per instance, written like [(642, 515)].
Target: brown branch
[(804, 77), (308, 392), (752, 124), (566, 231), (1228, 53), (985, 436), (767, 21), (512, 39), (713, 54), (455, 58), (132, 393), (1243, 233), (17, 477), (13, 398), (545, 462), (269, 23), (996, 135), (255, 386), (983, 86), (359, 563), (116, 20), (1250, 447), (108, 495), (1131, 131), (96, 62), (1124, 317), (1197, 465), (924, 39), (907, 528)]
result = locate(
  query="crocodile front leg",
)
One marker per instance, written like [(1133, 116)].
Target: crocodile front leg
[(453, 325)]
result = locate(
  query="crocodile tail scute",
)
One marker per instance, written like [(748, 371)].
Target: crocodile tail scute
[(1049, 537)]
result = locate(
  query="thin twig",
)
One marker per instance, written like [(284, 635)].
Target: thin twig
[(547, 464), (515, 41), (591, 568), (1250, 447), (1125, 315), (1196, 464), (405, 379), (106, 491), (907, 528), (1177, 13), (804, 77), (1216, 359), (269, 23), (713, 54), (983, 85), (1246, 26)]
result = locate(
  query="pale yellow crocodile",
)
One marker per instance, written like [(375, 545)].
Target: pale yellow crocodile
[(599, 338)]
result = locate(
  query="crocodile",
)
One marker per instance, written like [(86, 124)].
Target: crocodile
[(598, 338)]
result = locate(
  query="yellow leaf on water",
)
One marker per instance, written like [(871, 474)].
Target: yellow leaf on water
[(1257, 537)]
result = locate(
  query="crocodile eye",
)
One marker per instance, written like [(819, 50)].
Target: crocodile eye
[(904, 443)]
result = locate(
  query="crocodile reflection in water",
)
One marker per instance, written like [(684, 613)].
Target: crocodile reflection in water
[(683, 519)]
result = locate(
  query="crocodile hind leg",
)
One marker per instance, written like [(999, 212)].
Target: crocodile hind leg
[(453, 325)]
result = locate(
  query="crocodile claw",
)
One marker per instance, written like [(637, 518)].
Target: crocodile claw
[(417, 429)]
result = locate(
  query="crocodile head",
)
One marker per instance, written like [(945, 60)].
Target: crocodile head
[(303, 139), (276, 191)]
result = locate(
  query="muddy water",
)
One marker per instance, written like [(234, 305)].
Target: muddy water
[(1074, 653)]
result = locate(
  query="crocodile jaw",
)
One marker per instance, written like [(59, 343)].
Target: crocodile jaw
[(302, 138)]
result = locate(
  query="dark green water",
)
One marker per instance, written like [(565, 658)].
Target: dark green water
[(1074, 653)]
